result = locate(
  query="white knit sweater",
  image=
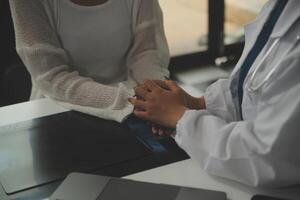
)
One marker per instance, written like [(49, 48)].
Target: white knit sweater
[(54, 76)]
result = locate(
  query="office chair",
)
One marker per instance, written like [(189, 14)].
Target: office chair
[(15, 82)]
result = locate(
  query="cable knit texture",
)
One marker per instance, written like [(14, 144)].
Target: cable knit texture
[(55, 76)]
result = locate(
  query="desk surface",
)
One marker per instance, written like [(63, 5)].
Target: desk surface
[(185, 173)]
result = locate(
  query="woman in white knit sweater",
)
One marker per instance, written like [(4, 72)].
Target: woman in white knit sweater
[(89, 54)]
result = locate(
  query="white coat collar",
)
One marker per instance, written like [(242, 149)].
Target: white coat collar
[(290, 14), (252, 30)]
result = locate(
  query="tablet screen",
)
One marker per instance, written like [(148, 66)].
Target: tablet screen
[(43, 150)]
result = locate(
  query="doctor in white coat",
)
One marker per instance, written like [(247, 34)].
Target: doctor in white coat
[(255, 138)]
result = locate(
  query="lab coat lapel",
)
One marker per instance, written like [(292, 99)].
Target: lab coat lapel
[(289, 16), (291, 12), (252, 31)]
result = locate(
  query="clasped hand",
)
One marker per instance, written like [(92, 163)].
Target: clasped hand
[(162, 103)]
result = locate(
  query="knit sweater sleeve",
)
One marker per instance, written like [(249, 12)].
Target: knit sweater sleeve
[(149, 56), (39, 48)]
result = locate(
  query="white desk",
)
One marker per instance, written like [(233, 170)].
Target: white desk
[(184, 173)]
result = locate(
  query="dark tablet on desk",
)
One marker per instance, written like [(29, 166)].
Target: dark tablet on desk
[(43, 150)]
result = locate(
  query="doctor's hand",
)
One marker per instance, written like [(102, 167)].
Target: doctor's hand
[(191, 102), (158, 105)]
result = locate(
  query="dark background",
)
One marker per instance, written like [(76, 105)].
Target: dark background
[(15, 81)]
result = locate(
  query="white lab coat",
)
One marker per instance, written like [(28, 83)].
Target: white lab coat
[(263, 149)]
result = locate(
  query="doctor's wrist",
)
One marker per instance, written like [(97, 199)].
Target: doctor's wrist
[(197, 103), (202, 103)]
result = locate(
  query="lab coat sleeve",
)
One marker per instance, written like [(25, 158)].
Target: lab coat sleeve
[(219, 101), (149, 56), (263, 152)]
